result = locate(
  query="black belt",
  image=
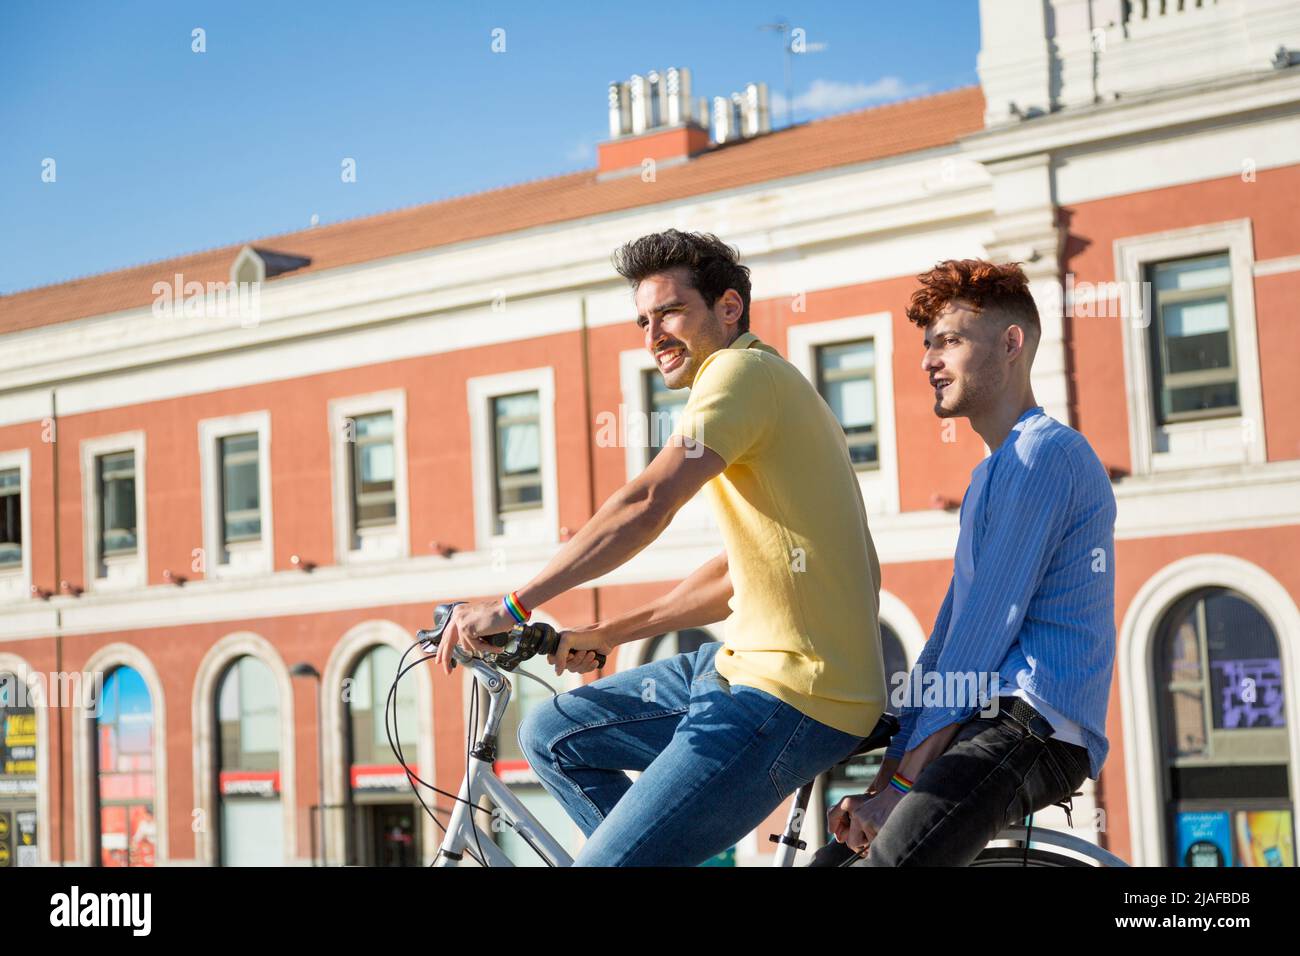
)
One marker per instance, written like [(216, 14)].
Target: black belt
[(1023, 713)]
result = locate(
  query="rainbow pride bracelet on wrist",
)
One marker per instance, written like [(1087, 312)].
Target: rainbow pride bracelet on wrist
[(516, 608), (901, 784)]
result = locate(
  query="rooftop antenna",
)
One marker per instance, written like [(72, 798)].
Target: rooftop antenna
[(791, 37)]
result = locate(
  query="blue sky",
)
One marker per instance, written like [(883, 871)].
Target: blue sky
[(159, 150)]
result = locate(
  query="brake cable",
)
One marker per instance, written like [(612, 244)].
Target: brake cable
[(393, 732)]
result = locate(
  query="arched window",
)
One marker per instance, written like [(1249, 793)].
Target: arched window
[(1222, 714), (18, 846), (124, 730), (248, 761), (383, 814)]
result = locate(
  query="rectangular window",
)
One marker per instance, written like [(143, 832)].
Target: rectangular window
[(114, 536), (846, 379), (369, 504), (374, 472), (11, 518), (115, 477), (663, 410), (1194, 368), (512, 451), (517, 445), (241, 513), (235, 482)]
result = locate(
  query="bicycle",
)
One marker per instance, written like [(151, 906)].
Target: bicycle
[(462, 835)]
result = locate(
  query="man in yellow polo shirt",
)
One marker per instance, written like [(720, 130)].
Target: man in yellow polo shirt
[(722, 733)]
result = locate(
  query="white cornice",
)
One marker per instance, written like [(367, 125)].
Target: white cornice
[(1207, 103)]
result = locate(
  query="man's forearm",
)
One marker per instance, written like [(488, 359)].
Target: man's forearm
[(624, 525), (698, 600), (927, 751)]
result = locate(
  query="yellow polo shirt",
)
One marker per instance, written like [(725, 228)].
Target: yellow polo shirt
[(806, 580)]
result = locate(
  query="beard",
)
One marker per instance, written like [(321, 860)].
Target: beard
[(972, 392), (706, 344)]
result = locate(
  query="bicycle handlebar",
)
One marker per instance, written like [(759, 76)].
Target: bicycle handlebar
[(520, 643)]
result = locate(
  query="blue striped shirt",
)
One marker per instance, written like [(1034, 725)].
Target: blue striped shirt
[(1042, 596)]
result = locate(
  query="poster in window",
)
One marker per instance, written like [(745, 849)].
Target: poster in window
[(112, 836), (144, 836), (1204, 839), (1247, 693), (1264, 838), (18, 750), (25, 851)]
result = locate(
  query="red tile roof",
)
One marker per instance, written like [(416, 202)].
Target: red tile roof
[(857, 137)]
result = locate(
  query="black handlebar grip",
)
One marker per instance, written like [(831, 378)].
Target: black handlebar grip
[(553, 641)]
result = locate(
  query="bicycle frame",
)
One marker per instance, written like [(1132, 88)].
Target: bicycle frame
[(463, 833)]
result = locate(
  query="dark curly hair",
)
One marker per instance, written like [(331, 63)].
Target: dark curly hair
[(714, 266), (984, 286)]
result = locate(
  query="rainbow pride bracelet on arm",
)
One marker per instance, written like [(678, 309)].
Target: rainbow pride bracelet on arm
[(901, 784), (516, 608)]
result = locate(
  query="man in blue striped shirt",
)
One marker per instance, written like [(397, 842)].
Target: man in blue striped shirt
[(1029, 616)]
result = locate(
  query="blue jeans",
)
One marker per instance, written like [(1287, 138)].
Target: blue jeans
[(715, 760)]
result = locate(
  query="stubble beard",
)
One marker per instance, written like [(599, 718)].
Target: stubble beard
[(976, 392)]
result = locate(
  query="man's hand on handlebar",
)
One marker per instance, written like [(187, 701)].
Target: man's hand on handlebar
[(577, 649), (855, 821), (470, 622)]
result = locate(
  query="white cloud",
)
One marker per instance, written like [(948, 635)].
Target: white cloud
[(830, 96), (584, 150)]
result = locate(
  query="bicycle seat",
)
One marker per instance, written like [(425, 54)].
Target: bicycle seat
[(879, 737)]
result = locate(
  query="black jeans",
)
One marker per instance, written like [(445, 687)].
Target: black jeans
[(993, 774)]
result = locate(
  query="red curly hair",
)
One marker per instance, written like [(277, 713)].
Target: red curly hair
[(984, 286)]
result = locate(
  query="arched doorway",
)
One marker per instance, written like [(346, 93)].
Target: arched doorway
[(1221, 712), (384, 819), (127, 833), (19, 837), (251, 817)]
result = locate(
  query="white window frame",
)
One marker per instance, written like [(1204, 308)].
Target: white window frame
[(256, 557), (16, 583), (535, 525), (879, 485), (632, 366), (1232, 439), (120, 572), (379, 543)]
